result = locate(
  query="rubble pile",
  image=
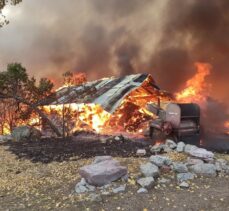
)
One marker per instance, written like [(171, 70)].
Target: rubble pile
[(105, 176)]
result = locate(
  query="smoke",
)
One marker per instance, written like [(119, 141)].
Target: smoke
[(116, 37)]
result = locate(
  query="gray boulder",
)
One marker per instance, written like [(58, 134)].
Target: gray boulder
[(189, 147), (201, 153), (205, 169), (180, 147), (180, 167), (149, 170), (25, 133), (103, 173), (170, 143), (185, 176), (146, 182), (160, 160)]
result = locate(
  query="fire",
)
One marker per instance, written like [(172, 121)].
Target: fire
[(226, 125), (131, 116), (84, 116), (196, 87)]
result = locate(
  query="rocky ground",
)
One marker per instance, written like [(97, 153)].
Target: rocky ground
[(43, 175)]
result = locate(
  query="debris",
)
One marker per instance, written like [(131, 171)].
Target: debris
[(103, 173), (180, 147), (160, 160), (142, 190), (149, 170), (180, 167), (146, 182), (141, 152), (205, 169)]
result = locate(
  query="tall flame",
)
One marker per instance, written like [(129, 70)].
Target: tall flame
[(196, 87)]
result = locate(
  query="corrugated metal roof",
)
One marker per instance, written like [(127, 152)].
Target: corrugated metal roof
[(108, 92)]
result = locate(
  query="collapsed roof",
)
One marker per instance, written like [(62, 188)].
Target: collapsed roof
[(108, 92)]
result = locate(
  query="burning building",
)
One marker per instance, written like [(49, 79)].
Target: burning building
[(105, 106)]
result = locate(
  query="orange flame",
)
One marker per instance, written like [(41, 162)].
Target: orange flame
[(226, 125), (196, 87)]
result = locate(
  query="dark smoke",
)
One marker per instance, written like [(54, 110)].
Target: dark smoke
[(126, 55)]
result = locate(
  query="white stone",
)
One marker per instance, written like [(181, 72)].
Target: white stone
[(141, 152), (184, 185), (180, 147), (142, 190)]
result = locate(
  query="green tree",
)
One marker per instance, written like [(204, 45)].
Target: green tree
[(3, 3), (17, 85)]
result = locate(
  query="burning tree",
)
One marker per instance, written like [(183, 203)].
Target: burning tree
[(25, 92)]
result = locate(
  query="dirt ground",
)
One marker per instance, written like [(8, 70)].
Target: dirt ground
[(42, 175)]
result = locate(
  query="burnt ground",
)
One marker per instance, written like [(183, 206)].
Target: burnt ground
[(42, 175)]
